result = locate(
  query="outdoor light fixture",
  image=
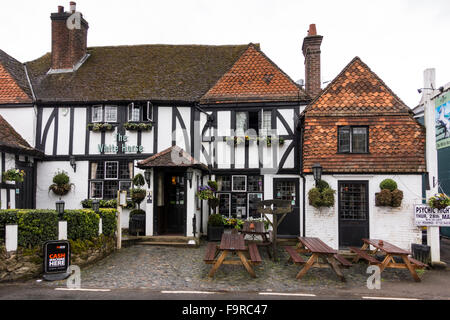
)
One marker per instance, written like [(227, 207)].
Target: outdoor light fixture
[(60, 207), (73, 163), (148, 176), (441, 89), (96, 205), (188, 175), (317, 172)]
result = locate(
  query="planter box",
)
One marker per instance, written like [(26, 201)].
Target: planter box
[(215, 233)]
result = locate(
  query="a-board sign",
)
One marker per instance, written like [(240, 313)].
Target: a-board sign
[(56, 257)]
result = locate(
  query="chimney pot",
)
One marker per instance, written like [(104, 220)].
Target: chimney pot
[(73, 6), (312, 30), (60, 9)]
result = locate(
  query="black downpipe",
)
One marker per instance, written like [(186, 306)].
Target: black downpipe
[(302, 127)]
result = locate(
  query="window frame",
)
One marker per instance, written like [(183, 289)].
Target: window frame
[(117, 175), (113, 107), (232, 183), (248, 202), (351, 139), (229, 202), (90, 188), (101, 113)]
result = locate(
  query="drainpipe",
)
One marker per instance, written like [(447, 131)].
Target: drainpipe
[(302, 175)]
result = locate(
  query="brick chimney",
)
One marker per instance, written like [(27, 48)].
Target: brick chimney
[(69, 38), (311, 52)]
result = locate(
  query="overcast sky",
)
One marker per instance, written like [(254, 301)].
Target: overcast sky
[(398, 39)]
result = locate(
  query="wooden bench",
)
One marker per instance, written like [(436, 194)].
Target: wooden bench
[(365, 255), (210, 254), (342, 260), (417, 264), (294, 256), (255, 257)]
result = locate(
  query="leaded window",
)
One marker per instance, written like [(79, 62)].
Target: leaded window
[(353, 139), (108, 177), (110, 113), (97, 113)]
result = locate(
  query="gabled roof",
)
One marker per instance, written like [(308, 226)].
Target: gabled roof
[(356, 90), (141, 72), (13, 81), (254, 78), (172, 157), (13, 142)]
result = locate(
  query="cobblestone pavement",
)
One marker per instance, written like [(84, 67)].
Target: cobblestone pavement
[(171, 268)]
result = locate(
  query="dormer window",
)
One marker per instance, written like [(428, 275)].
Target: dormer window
[(110, 114), (97, 114), (140, 112), (353, 139)]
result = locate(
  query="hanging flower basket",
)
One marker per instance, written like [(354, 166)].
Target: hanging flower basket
[(61, 184), (439, 201), (389, 196), (13, 175), (321, 196)]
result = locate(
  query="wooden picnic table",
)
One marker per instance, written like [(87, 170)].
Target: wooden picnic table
[(319, 251), (390, 251), (232, 244), (259, 230)]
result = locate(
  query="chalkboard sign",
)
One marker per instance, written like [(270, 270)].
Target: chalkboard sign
[(56, 257)]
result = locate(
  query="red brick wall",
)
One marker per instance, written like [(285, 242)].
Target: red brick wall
[(311, 51), (396, 144)]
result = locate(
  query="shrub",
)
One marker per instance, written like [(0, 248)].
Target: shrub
[(109, 221), (321, 198), (81, 224), (139, 180), (322, 184), (136, 211), (61, 177), (87, 204), (383, 198), (397, 197), (215, 220), (61, 185), (388, 184)]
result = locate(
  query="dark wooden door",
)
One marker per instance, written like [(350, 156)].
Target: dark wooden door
[(176, 202), (287, 189), (25, 189), (353, 212)]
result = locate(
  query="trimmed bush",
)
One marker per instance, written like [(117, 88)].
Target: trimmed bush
[(136, 211), (321, 197), (322, 184), (109, 221), (87, 204), (383, 198), (139, 180), (81, 224), (397, 197), (388, 184)]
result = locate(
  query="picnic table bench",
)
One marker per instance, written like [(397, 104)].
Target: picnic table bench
[(232, 243), (319, 251), (259, 230), (389, 251)]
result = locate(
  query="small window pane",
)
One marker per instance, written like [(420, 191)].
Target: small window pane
[(224, 204), (96, 190), (253, 199), (97, 114), (255, 184), (110, 114), (239, 183), (239, 205), (344, 140), (223, 183), (111, 170), (266, 123), (359, 140)]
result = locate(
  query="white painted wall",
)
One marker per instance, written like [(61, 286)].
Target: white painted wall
[(164, 128), (23, 120), (395, 225)]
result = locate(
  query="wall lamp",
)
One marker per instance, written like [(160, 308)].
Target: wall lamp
[(148, 176), (317, 172), (188, 175), (73, 163)]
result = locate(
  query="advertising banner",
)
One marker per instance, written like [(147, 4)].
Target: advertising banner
[(425, 216), (56, 257)]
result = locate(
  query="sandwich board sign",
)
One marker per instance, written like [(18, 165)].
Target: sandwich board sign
[(56, 260)]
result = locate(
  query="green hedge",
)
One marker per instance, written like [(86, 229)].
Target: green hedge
[(38, 226)]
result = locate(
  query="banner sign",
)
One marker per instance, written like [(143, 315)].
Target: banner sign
[(442, 117), (56, 256), (425, 216)]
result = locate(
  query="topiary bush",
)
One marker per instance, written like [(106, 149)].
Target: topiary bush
[(322, 195), (397, 197), (139, 180), (61, 184), (215, 220), (322, 184), (383, 198), (388, 184)]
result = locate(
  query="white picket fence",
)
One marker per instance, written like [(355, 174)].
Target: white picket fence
[(12, 234)]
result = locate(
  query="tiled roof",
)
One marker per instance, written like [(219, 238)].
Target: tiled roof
[(172, 157), (13, 142), (142, 72), (356, 89), (13, 82), (253, 78)]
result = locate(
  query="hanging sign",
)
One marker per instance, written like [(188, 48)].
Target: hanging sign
[(425, 216)]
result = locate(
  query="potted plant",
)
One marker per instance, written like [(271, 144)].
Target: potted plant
[(215, 227), (12, 176), (439, 201), (61, 184), (322, 195), (389, 196), (138, 194)]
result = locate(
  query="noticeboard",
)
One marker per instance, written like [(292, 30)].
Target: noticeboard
[(425, 216), (56, 256)]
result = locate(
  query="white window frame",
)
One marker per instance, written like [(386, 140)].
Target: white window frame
[(149, 111), (248, 201), (229, 202), (90, 189), (265, 131), (131, 108), (117, 174), (111, 107), (93, 113), (232, 183)]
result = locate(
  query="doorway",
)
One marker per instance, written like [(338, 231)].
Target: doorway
[(25, 190), (353, 212), (287, 189)]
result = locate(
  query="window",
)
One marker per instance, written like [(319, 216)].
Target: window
[(223, 183), (110, 113), (353, 140), (239, 205), (224, 204), (266, 122), (239, 183), (253, 123), (108, 177), (140, 112), (253, 199), (97, 114), (255, 183), (241, 123)]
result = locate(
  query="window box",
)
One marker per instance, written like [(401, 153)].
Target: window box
[(134, 126), (101, 127)]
